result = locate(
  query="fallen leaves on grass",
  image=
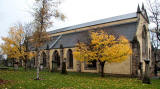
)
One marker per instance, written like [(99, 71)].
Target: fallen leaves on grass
[(3, 81)]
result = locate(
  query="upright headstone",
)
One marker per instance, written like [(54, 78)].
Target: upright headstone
[(146, 78), (64, 71)]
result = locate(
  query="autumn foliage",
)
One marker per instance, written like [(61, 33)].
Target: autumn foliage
[(13, 44), (103, 48), (44, 12)]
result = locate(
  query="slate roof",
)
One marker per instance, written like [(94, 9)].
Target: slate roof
[(69, 40), (112, 19)]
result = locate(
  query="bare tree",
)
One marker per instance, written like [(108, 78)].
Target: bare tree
[(44, 10), (155, 45), (154, 12), (27, 28), (24, 42)]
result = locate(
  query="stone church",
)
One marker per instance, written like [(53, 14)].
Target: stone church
[(134, 26)]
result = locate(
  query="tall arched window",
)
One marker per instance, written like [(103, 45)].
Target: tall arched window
[(44, 59), (70, 58), (149, 53), (56, 58), (144, 43)]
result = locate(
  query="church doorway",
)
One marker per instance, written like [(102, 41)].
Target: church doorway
[(44, 59), (55, 61)]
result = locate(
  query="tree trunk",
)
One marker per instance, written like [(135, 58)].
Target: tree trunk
[(13, 62), (25, 61), (38, 64), (16, 65), (102, 68), (25, 65)]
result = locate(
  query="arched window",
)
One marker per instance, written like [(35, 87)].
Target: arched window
[(70, 58), (144, 43), (149, 53), (90, 65), (56, 58), (44, 59)]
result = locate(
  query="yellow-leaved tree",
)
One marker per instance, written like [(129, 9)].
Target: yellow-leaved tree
[(103, 48), (13, 44)]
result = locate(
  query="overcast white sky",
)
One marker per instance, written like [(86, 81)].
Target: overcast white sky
[(76, 11)]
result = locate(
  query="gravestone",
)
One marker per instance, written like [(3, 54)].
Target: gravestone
[(64, 71), (146, 78)]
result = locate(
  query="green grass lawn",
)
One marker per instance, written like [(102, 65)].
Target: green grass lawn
[(24, 80)]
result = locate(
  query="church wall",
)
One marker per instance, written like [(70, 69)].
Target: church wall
[(109, 68), (65, 56), (118, 68), (89, 70), (143, 22), (113, 68)]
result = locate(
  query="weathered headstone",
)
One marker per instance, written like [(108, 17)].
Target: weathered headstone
[(64, 71), (54, 66), (146, 78)]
